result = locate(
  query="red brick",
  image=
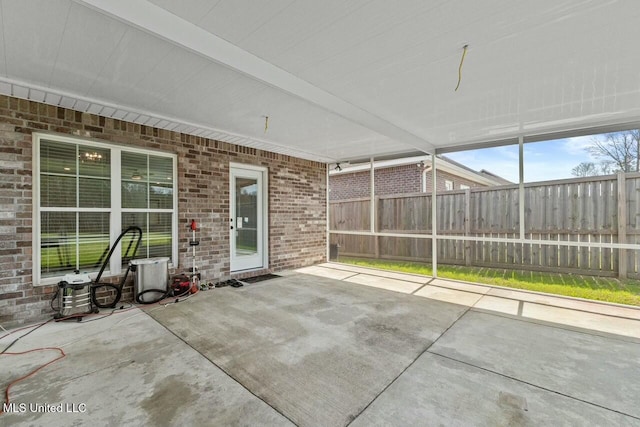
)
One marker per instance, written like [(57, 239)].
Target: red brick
[(296, 198)]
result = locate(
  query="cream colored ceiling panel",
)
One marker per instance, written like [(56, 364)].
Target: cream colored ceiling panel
[(171, 75), (291, 25), (191, 10), (531, 67), (3, 62), (86, 47), (222, 20), (242, 108), (139, 57), (32, 32), (358, 40), (208, 81), (512, 78)]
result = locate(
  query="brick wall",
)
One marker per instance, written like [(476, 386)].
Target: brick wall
[(297, 201), (457, 181), (392, 180)]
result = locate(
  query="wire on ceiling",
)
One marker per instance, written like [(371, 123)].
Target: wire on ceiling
[(464, 52)]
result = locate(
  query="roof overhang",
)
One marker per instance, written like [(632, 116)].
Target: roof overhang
[(337, 82)]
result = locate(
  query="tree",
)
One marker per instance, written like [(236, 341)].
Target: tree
[(617, 152), (585, 169), (591, 169), (619, 149)]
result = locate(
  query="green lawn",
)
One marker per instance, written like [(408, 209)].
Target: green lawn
[(63, 256), (589, 287)]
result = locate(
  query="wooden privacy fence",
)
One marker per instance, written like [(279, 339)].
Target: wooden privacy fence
[(588, 210)]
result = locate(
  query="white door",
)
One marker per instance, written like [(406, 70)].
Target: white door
[(247, 222)]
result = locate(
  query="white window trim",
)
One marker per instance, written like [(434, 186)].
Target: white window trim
[(115, 210), (448, 183)]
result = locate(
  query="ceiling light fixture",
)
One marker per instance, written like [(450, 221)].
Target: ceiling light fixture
[(92, 157)]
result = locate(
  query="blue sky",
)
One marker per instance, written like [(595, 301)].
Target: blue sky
[(542, 160)]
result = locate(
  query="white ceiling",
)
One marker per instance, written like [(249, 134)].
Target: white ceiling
[(339, 80)]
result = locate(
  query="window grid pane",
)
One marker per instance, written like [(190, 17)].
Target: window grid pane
[(138, 219), (94, 193), (93, 237), (58, 191), (135, 180), (94, 161), (77, 177), (160, 182), (57, 243)]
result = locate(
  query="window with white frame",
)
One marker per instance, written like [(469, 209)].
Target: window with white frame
[(448, 185), (86, 193), (464, 187)]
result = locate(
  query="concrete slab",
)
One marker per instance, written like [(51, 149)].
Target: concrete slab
[(460, 286), (309, 350), (449, 295), (580, 319), (576, 304), (438, 391), (377, 272), (134, 373), (500, 305), (608, 309), (384, 283), (326, 272), (318, 353), (602, 371)]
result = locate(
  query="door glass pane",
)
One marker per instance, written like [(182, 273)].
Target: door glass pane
[(246, 221)]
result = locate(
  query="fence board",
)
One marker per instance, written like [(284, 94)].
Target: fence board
[(580, 210)]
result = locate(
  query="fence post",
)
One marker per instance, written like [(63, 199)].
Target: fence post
[(377, 226), (622, 225), (467, 226)]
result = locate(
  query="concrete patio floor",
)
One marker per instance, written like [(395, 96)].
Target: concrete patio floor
[(317, 348)]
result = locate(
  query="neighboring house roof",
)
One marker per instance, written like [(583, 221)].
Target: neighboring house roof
[(444, 164), (495, 177)]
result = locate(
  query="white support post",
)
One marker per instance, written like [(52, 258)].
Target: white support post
[(434, 222), (328, 211), (372, 206), (521, 185)]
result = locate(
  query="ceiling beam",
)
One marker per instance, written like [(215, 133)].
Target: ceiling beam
[(165, 25)]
